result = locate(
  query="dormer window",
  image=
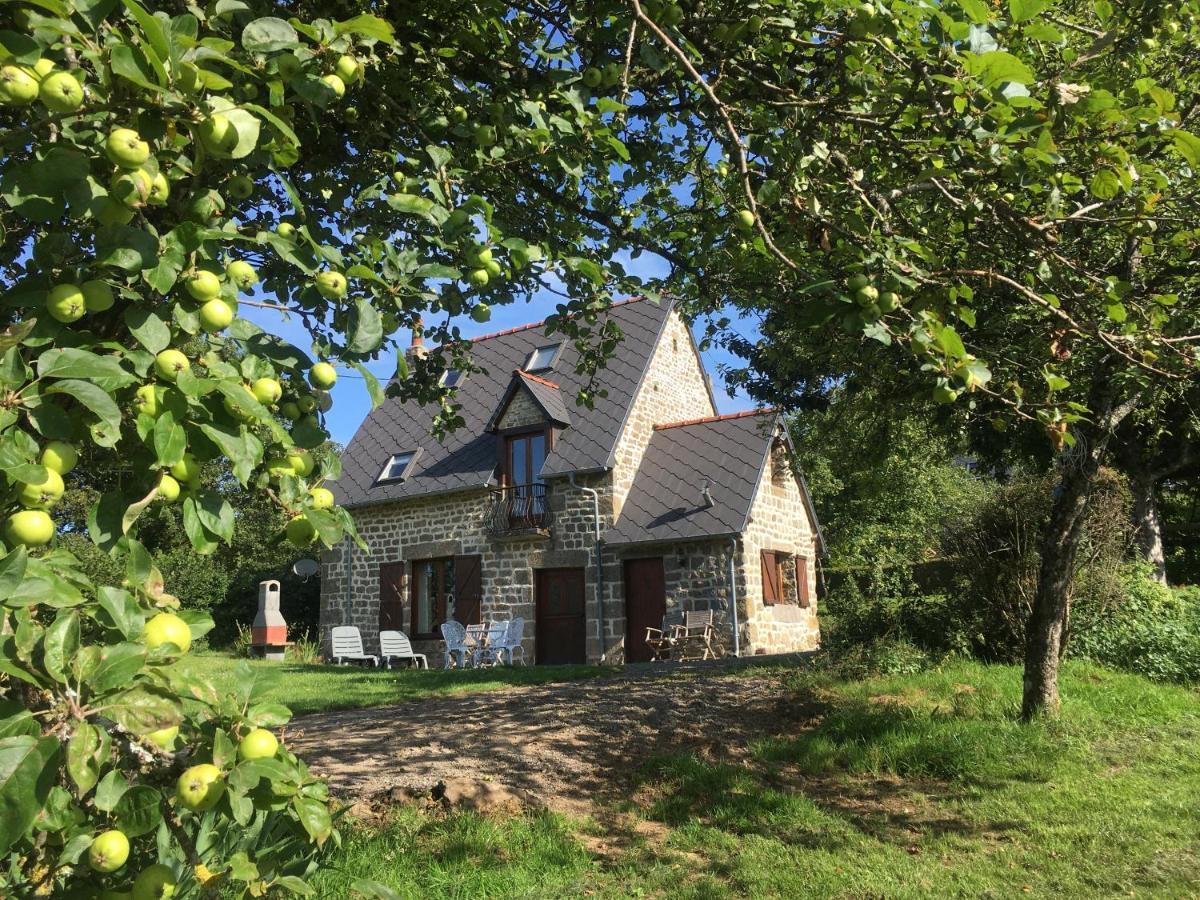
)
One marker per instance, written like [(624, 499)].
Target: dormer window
[(543, 358), (452, 378), (397, 466)]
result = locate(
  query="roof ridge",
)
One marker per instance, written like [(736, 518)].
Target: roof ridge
[(533, 377), (707, 419), (531, 325)]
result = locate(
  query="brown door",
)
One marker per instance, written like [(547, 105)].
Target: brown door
[(391, 596), (645, 604), (561, 620)]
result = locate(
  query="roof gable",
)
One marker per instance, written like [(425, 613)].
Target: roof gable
[(466, 459), (546, 396)]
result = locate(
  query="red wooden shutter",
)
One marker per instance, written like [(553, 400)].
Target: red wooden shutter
[(468, 589), (770, 578), (802, 580), (391, 597)]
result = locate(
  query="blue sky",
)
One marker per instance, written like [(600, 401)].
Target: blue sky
[(351, 402)]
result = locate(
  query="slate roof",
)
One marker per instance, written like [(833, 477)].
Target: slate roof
[(467, 458), (729, 452), (546, 394)]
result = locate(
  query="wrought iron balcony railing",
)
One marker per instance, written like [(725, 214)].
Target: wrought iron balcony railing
[(520, 508)]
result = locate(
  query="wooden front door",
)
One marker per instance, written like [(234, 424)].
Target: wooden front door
[(561, 618), (645, 604), (391, 597)]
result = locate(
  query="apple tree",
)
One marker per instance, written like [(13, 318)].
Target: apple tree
[(990, 204)]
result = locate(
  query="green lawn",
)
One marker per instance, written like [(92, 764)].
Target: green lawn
[(316, 688), (913, 786)]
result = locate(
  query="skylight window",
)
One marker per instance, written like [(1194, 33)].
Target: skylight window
[(452, 378), (543, 358), (397, 466)]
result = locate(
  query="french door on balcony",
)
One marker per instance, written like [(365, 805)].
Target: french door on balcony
[(527, 500)]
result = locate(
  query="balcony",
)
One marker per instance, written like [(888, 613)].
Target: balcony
[(520, 510)]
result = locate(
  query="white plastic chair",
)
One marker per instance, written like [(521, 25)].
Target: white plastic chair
[(489, 653), (511, 642), (396, 645), (348, 646), (455, 636)]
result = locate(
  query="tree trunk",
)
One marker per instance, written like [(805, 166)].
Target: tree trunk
[(1060, 546), (1148, 525)]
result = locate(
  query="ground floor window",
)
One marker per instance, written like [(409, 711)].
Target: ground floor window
[(784, 578), (432, 595)]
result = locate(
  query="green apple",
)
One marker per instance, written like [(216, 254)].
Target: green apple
[(125, 148), (322, 498), (164, 737), (200, 787), (331, 285), (60, 457), (300, 460), (240, 187), (237, 411), (160, 189), (146, 399), (258, 744), (290, 409), (66, 303), (323, 377), (167, 628), (857, 282), (348, 69), (61, 93), (335, 84), (108, 851), (745, 219), (493, 268), (592, 77), (300, 531), (32, 527), (170, 363), (478, 277), (217, 134), (41, 68), (458, 115), (17, 87), (307, 404), (168, 488), (42, 494), (156, 882), (131, 188), (485, 135), (266, 390), (97, 295), (481, 313), (865, 296), (285, 230), (203, 285), (187, 469), (280, 467), (215, 315), (242, 274), (612, 73), (206, 207), (889, 301), (480, 256)]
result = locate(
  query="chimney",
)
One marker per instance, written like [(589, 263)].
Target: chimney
[(416, 349)]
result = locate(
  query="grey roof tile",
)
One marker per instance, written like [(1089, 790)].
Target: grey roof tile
[(546, 394), (467, 457), (664, 502)]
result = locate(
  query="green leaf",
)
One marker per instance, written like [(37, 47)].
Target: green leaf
[(126, 247), (149, 328), (139, 810), (365, 327), (122, 611), (1105, 185), (153, 30), (118, 664), (133, 67), (170, 440), (999, 66), (246, 125), (374, 388), (144, 708), (12, 570), (87, 751), (1021, 10), (202, 541), (314, 816), (110, 790), (1187, 145), (216, 515), (71, 362), (97, 401), (28, 770), (60, 645), (269, 34), (976, 10), (368, 26)]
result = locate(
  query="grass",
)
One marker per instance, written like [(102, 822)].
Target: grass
[(321, 688), (920, 785)]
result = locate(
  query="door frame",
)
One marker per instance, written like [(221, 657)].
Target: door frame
[(538, 579), (632, 640)]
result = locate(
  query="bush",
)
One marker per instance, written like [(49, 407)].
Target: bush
[(1155, 631), (886, 656)]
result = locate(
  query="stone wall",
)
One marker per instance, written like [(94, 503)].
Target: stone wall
[(674, 388), (779, 521), (522, 411)]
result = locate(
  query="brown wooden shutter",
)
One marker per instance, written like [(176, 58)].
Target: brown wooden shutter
[(802, 580), (468, 589), (391, 597), (770, 578)]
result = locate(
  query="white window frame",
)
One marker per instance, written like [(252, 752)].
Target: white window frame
[(557, 348), (462, 376), (384, 478)]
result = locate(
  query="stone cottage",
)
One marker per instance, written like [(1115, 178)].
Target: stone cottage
[(588, 523)]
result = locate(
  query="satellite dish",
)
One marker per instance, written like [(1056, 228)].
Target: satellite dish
[(306, 568)]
